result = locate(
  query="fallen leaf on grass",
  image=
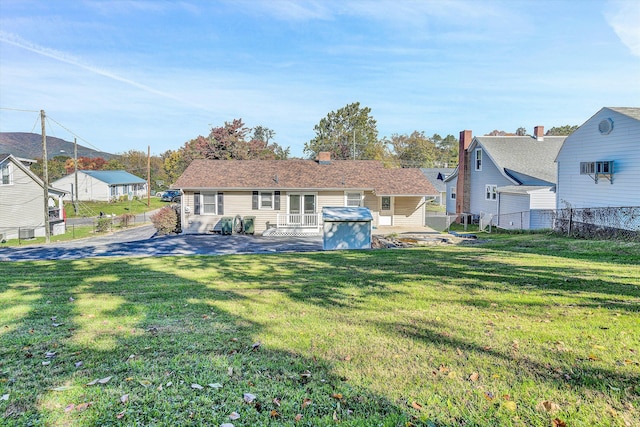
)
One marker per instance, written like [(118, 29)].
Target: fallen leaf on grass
[(81, 407), (335, 416), (215, 385), (298, 417), (473, 377), (119, 415), (5, 397), (255, 346), (196, 386), (557, 422), (305, 374), (60, 388), (46, 362), (78, 364), (50, 354), (100, 381), (69, 407), (547, 406), (276, 401), (489, 396), (452, 375), (510, 405), (226, 425), (593, 357), (274, 413), (124, 398), (306, 402), (337, 396), (416, 405), (234, 416), (248, 397)]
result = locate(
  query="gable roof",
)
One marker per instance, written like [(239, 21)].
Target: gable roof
[(5, 158), (114, 177), (632, 112), (437, 177), (304, 175), (522, 159)]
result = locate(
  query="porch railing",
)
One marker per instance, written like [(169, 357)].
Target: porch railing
[(298, 220)]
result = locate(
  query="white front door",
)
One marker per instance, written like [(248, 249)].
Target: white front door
[(386, 211)]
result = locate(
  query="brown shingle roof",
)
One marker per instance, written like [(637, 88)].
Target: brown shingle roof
[(303, 175)]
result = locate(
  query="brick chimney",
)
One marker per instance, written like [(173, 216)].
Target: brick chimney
[(538, 133), (463, 192), (324, 157)]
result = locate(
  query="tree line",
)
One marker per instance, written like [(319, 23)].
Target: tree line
[(349, 133)]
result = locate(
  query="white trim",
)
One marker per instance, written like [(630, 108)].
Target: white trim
[(491, 192), (478, 164), (215, 202), (9, 167), (260, 200), (360, 201)]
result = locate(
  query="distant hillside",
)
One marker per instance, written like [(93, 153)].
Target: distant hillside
[(29, 145)]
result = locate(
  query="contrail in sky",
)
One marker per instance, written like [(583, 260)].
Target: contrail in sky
[(18, 41)]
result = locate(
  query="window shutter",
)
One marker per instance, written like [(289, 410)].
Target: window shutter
[(220, 204), (254, 201), (276, 200), (196, 203)]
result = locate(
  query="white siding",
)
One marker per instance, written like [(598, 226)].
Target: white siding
[(587, 144), (451, 203), (514, 211), (89, 189)]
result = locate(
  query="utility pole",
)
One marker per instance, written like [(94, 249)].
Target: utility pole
[(45, 174), (148, 175), (75, 173)]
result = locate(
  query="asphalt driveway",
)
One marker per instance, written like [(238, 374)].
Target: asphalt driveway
[(142, 242)]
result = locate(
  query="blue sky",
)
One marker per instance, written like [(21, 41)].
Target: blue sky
[(125, 75)]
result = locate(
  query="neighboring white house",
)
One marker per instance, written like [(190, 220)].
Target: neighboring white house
[(508, 180), (22, 207), (105, 185), (599, 163)]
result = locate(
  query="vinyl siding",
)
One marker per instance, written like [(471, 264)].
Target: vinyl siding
[(408, 210), (587, 144), (479, 179), (451, 203), (21, 204), (90, 189)]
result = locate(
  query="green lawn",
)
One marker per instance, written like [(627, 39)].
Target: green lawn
[(524, 330), (136, 206)]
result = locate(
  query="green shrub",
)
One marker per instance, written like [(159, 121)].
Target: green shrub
[(166, 220), (104, 224)]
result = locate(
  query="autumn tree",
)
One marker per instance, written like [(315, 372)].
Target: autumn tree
[(348, 133)]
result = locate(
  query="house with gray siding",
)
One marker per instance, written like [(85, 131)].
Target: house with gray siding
[(508, 180), (103, 185), (22, 204), (599, 163), (436, 177)]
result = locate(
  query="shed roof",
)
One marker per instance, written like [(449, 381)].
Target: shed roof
[(304, 175), (524, 159), (117, 177), (346, 214)]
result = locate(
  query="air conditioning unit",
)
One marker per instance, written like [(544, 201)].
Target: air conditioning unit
[(27, 233)]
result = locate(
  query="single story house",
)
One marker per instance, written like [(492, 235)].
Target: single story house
[(22, 204), (103, 185), (508, 181), (287, 196), (436, 177)]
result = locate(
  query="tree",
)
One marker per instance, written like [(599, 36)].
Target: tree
[(232, 141), (521, 131), (447, 155), (561, 130), (349, 133), (414, 151)]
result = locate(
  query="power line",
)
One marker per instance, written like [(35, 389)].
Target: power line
[(76, 135), (17, 109)]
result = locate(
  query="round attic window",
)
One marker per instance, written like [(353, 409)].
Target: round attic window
[(606, 126)]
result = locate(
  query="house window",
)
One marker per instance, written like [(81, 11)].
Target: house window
[(353, 199), (208, 205), (266, 200), (5, 175), (491, 192), (453, 193), (385, 203), (479, 159)]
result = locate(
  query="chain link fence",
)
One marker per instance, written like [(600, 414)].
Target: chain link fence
[(601, 222)]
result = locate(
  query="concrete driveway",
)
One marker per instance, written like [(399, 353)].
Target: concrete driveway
[(142, 242)]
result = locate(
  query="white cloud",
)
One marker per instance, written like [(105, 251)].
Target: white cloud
[(624, 18)]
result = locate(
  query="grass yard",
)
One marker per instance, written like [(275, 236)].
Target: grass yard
[(525, 330)]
